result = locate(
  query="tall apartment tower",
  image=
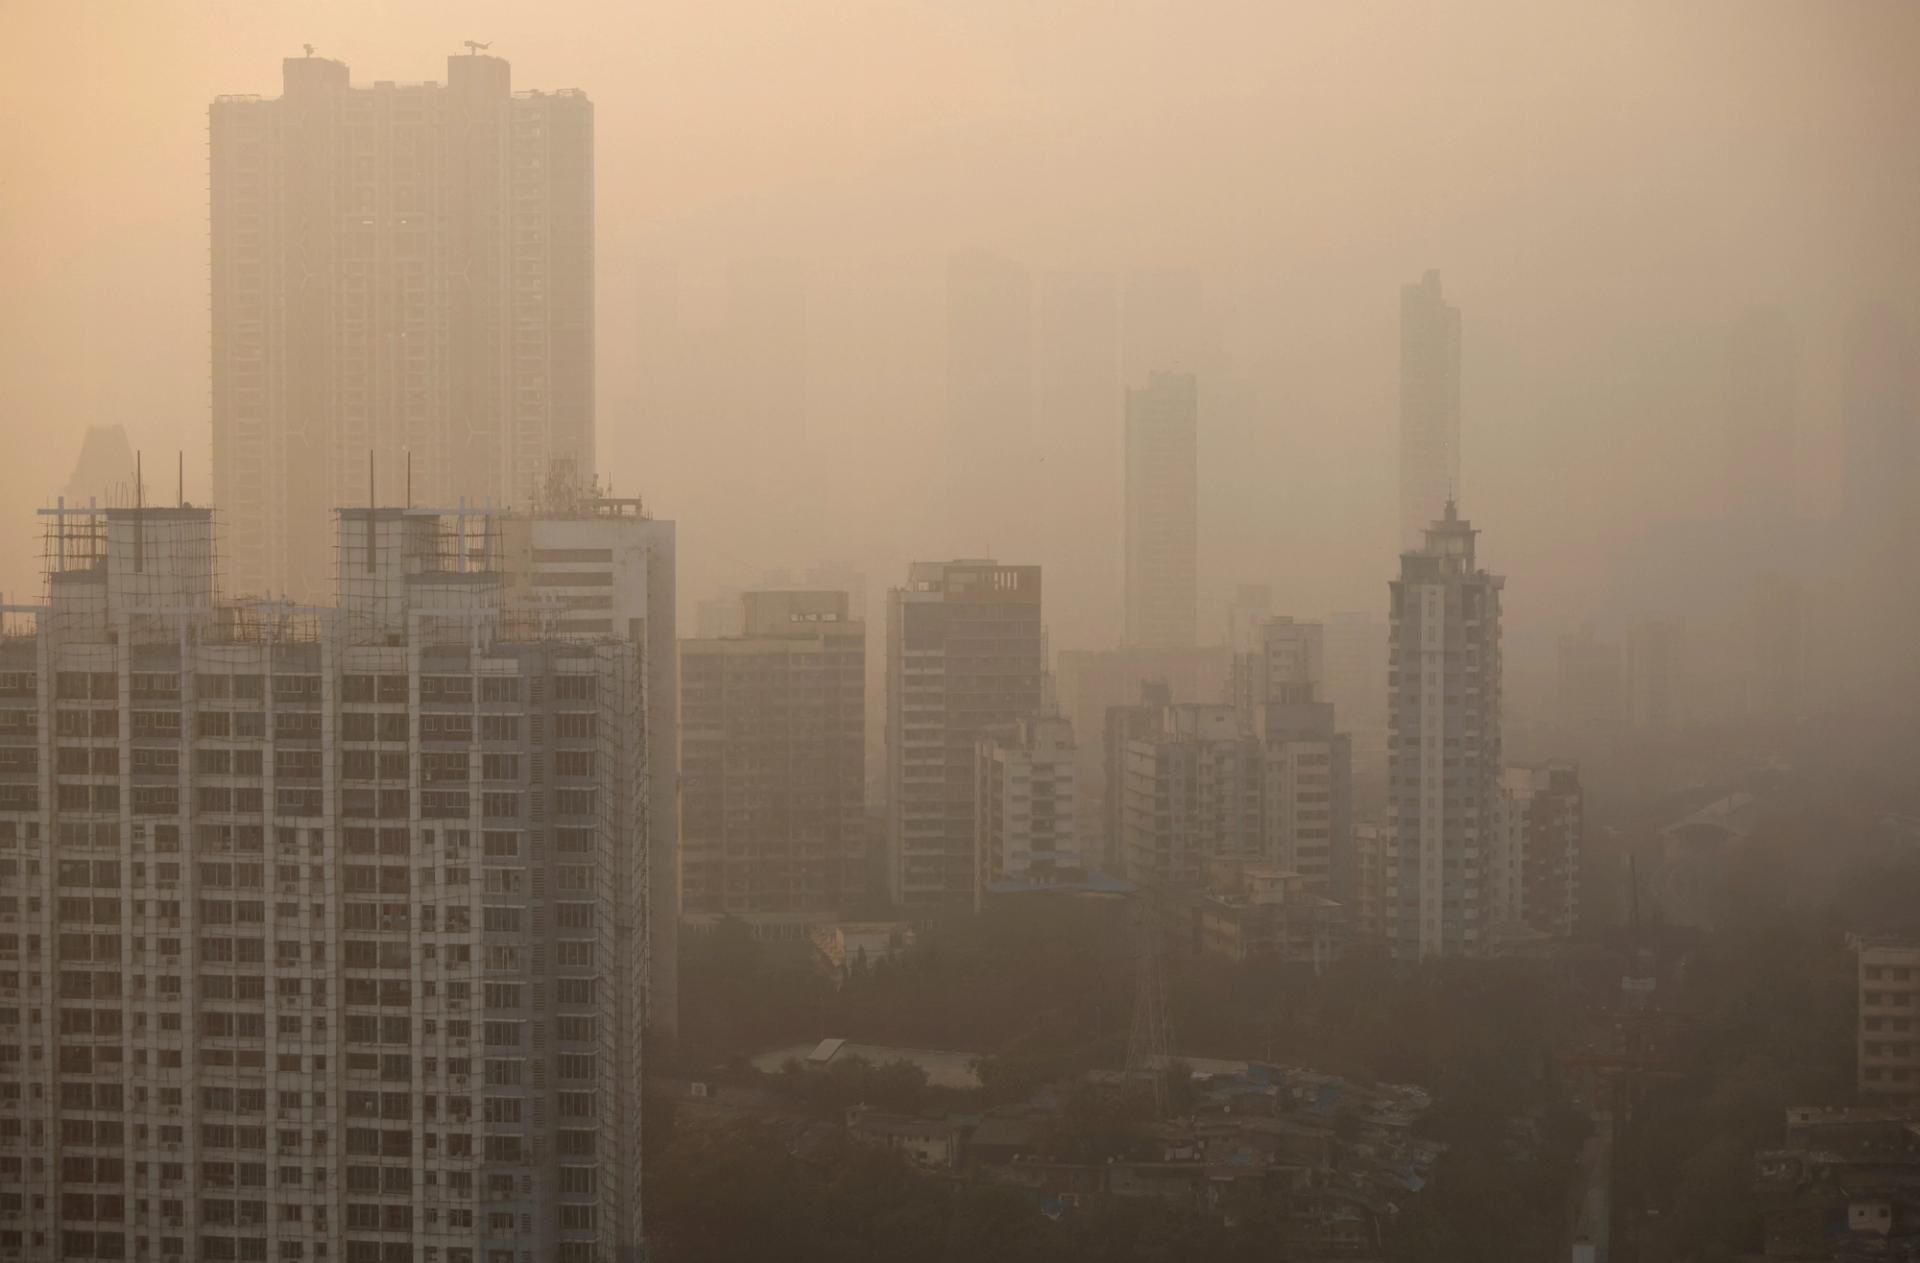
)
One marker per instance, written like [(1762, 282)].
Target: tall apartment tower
[(1429, 405), (590, 567), (773, 761), (1162, 511), (1444, 750), (328, 926), (404, 270), (989, 445), (1657, 674), (1879, 519), (1760, 388), (1590, 688), (965, 654)]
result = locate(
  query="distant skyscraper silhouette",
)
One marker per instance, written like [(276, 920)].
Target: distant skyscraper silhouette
[(1883, 413), (105, 470), (1429, 406), (990, 442), (401, 269), (1759, 394), (1881, 513), (1162, 510)]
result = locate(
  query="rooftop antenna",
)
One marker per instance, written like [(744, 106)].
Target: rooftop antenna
[(309, 48), (475, 47)]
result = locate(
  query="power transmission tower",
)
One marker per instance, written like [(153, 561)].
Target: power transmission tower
[(1150, 1042)]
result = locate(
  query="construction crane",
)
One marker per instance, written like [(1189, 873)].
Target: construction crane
[(475, 47)]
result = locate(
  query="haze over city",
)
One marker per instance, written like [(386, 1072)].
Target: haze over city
[(1018, 629), (1604, 191)]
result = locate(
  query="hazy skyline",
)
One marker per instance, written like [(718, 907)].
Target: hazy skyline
[(1603, 189)]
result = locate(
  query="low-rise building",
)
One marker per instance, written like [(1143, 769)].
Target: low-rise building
[(1845, 1184), (853, 945), (927, 1142), (1257, 909)]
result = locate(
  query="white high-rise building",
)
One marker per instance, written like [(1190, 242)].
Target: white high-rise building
[(596, 567), (322, 930), (1444, 743)]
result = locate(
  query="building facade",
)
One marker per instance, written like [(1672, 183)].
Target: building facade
[(328, 926), (1889, 1022), (773, 750), (1356, 645), (587, 567), (1444, 740), (1210, 781), (1026, 808), (1657, 675), (1162, 511), (1260, 910), (1093, 684), (401, 270), (965, 654), (1589, 689), (1285, 662), (1429, 405), (1534, 866)]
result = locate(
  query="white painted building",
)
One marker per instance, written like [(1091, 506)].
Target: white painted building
[(1444, 744), (1025, 806)]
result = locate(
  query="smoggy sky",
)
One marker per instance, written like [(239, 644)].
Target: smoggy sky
[(1604, 186)]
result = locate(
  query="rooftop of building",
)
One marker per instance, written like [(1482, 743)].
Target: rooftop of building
[(945, 1068)]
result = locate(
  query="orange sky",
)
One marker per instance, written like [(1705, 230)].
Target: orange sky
[(1603, 185)]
